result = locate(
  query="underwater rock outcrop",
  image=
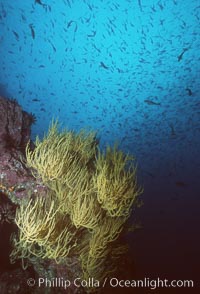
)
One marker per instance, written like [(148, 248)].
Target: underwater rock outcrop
[(16, 182), (15, 125), (15, 129)]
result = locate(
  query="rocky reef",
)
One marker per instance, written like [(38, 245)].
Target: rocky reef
[(15, 130), (16, 182)]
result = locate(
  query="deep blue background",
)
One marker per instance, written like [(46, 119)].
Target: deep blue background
[(130, 70)]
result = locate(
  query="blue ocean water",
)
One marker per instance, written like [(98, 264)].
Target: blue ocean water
[(129, 69)]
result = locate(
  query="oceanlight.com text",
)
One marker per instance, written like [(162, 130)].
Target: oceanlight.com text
[(151, 283)]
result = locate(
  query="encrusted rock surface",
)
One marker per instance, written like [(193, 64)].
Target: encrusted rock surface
[(16, 182), (15, 130), (14, 125)]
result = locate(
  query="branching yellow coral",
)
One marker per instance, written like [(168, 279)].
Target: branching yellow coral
[(44, 232), (36, 220), (108, 231), (62, 156), (83, 212), (94, 259), (96, 267), (89, 199), (60, 246), (115, 181)]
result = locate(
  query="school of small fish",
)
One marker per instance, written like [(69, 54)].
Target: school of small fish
[(128, 69)]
